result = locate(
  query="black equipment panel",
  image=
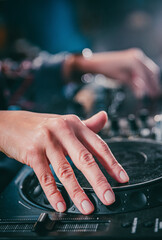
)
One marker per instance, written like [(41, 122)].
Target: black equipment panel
[(134, 134), (136, 214), (142, 157)]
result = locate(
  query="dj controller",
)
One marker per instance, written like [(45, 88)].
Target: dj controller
[(134, 135)]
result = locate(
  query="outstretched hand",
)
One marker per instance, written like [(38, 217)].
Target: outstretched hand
[(130, 67), (42, 139), (133, 68)]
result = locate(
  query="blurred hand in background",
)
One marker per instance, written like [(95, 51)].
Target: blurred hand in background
[(129, 67)]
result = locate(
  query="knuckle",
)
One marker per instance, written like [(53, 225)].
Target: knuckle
[(60, 123), (76, 192), (31, 155), (44, 132), (65, 172), (103, 146), (86, 158), (74, 118), (52, 191), (113, 164), (47, 181), (69, 132), (136, 51), (101, 180), (136, 54)]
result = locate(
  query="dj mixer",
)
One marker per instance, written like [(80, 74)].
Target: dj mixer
[(134, 135)]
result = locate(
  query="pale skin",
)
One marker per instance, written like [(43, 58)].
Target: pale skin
[(129, 67), (41, 139)]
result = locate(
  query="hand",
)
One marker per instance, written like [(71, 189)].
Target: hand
[(130, 67), (42, 139), (133, 68)]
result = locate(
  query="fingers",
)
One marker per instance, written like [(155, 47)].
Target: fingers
[(96, 122), (85, 162), (101, 150), (66, 175), (146, 70), (138, 86), (69, 135), (152, 73), (48, 184)]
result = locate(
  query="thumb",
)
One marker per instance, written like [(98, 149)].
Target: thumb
[(97, 121)]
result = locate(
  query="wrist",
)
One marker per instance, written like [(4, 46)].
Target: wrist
[(8, 126), (84, 61), (68, 67), (78, 64), (3, 130)]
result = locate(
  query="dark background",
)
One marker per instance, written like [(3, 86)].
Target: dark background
[(68, 25)]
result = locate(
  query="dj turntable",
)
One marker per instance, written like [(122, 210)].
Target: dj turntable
[(136, 213), (134, 134)]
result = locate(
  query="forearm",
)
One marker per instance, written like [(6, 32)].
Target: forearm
[(130, 67), (6, 129), (103, 63), (77, 63)]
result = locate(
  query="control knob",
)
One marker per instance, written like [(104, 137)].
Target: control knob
[(132, 122), (138, 200)]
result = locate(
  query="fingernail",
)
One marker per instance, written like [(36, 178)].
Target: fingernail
[(123, 176), (87, 207), (61, 207), (109, 197)]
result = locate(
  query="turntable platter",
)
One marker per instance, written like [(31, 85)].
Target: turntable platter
[(140, 158)]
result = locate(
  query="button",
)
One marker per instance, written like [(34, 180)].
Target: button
[(138, 200), (126, 224), (116, 204), (145, 132), (157, 194), (37, 191), (143, 114), (43, 224), (132, 122), (148, 224), (115, 123)]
